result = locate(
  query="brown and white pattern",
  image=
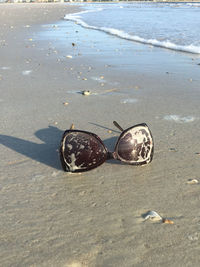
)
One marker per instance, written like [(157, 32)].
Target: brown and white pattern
[(135, 145), (81, 151)]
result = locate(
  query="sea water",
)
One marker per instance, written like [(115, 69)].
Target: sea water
[(173, 26)]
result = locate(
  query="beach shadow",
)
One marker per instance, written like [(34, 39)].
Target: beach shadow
[(110, 143), (45, 153)]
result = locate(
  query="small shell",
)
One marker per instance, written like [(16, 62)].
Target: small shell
[(153, 215), (68, 56), (86, 93), (192, 181), (167, 221), (65, 103), (173, 149)]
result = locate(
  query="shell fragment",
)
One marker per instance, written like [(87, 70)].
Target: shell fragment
[(192, 181), (152, 215)]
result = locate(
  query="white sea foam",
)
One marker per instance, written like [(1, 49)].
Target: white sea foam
[(179, 119), (98, 79), (76, 17), (193, 4), (129, 101), (5, 68), (26, 72)]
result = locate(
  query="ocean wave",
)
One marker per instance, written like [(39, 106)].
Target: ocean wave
[(193, 4), (76, 17), (182, 4)]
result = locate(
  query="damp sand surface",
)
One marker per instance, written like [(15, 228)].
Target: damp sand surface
[(97, 218)]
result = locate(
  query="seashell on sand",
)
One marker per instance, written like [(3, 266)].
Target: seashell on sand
[(86, 92), (192, 181), (152, 215)]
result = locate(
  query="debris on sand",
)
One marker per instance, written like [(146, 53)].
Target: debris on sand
[(152, 215), (192, 181), (86, 92), (72, 127), (167, 221), (69, 56)]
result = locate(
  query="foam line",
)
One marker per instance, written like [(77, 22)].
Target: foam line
[(121, 34)]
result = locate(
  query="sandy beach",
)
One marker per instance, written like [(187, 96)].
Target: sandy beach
[(53, 218)]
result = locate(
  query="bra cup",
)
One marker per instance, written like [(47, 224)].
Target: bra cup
[(81, 151), (135, 145)]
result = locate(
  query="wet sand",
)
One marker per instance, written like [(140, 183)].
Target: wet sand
[(53, 218)]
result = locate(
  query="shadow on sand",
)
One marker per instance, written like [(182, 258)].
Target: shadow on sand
[(47, 152)]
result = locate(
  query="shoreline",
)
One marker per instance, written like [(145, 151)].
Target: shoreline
[(53, 218), (105, 1)]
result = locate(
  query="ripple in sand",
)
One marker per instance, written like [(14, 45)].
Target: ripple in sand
[(179, 119)]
